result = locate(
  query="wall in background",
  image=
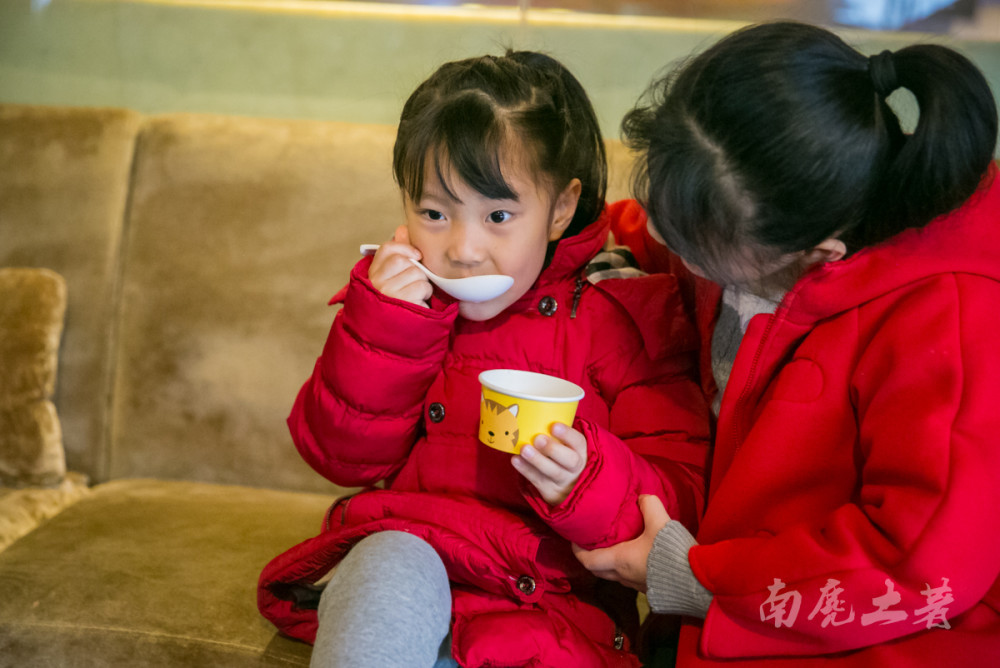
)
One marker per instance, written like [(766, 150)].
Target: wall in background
[(333, 60)]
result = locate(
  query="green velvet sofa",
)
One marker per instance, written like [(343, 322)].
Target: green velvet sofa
[(197, 254)]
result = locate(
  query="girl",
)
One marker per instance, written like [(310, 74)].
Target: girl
[(854, 511), (501, 167)]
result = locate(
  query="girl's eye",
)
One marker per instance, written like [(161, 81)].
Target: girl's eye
[(434, 215), (498, 216)]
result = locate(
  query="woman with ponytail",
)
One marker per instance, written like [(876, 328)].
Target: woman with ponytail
[(846, 277)]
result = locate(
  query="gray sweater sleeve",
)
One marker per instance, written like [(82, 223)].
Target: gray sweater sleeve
[(671, 587)]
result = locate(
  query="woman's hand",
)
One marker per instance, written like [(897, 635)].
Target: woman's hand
[(554, 463), (392, 273), (626, 562)]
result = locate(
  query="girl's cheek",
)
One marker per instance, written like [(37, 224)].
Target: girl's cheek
[(654, 234), (693, 269)]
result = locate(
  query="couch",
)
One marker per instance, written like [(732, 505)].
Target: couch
[(182, 266)]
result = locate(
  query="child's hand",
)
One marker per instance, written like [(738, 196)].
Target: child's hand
[(392, 273), (553, 465)]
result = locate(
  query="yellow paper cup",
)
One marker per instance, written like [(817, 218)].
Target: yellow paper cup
[(515, 406)]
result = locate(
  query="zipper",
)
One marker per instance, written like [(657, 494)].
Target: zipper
[(328, 517), (577, 292)]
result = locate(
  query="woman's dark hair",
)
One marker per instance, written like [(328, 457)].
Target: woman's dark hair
[(470, 113), (779, 136)]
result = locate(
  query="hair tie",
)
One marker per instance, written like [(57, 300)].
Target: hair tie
[(882, 72)]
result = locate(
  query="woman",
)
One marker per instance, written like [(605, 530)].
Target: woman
[(853, 511)]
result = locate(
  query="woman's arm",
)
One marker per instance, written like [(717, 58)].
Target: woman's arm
[(656, 563)]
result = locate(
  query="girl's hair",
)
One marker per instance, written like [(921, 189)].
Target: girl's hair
[(779, 137), (471, 113)]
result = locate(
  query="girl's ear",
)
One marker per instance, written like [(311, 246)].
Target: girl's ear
[(829, 250), (564, 209)]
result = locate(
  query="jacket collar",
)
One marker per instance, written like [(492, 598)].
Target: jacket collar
[(573, 253), (966, 240)]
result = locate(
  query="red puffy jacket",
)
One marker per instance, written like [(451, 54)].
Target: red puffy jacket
[(395, 396), (854, 510)]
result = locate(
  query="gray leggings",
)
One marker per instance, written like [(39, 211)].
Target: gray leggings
[(388, 604)]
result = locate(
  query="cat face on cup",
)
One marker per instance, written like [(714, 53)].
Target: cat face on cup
[(515, 406)]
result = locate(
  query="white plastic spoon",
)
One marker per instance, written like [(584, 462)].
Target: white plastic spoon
[(472, 289)]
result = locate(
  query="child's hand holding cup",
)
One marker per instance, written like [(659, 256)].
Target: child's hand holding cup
[(528, 414)]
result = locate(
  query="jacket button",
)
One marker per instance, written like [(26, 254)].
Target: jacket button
[(436, 412), (547, 306), (619, 639), (526, 584)]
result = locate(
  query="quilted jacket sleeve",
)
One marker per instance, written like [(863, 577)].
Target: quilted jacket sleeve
[(357, 417), (657, 437), (701, 297)]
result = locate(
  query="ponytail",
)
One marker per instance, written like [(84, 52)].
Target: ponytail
[(940, 165)]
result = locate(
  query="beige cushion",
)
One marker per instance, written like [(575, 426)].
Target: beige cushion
[(240, 231), (152, 573), (21, 510), (32, 306), (64, 175)]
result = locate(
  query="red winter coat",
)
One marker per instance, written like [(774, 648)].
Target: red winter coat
[(395, 396), (858, 449)]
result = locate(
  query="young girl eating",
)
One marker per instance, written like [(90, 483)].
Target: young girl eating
[(465, 555)]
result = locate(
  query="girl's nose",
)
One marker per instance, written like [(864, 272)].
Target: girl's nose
[(466, 246)]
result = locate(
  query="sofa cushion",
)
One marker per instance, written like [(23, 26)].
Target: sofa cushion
[(64, 175), (32, 306), (32, 463), (239, 232), (21, 510), (152, 573)]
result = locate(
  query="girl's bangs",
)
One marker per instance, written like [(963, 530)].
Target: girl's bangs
[(471, 142), (462, 139)]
